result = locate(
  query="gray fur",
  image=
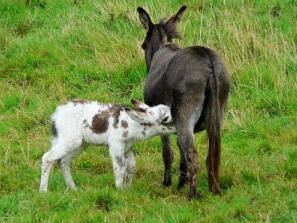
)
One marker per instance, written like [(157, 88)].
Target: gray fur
[(195, 83)]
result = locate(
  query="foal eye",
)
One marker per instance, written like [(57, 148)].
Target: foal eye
[(165, 119)]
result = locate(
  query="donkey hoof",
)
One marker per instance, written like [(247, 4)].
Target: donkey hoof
[(192, 196), (181, 183), (215, 189), (167, 182)]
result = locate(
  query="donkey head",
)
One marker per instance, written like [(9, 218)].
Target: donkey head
[(158, 34), (156, 115)]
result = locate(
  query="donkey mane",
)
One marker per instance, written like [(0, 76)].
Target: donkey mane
[(170, 29)]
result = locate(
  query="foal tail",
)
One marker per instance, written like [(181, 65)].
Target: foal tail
[(213, 128)]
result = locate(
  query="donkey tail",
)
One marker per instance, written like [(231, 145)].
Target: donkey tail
[(213, 128)]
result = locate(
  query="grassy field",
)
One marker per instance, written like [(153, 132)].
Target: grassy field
[(52, 51)]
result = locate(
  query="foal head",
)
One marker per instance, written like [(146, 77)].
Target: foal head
[(156, 115), (158, 34)]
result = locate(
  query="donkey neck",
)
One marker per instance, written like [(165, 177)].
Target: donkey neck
[(161, 59), (155, 87)]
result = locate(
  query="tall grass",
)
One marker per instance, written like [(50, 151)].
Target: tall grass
[(53, 51)]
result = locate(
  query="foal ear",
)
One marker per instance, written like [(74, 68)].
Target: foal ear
[(140, 106), (171, 24), (137, 116), (144, 18)]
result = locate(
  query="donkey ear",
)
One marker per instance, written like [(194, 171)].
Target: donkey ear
[(144, 18), (178, 15), (140, 106), (171, 24)]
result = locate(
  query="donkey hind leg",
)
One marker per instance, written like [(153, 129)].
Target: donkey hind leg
[(186, 112), (130, 163), (185, 137), (183, 168), (64, 164), (167, 154), (194, 117)]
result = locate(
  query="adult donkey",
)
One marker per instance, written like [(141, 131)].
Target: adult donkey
[(194, 82)]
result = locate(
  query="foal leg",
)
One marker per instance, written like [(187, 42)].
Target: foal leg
[(58, 151), (48, 159), (130, 167), (46, 167), (64, 164), (116, 151), (167, 154)]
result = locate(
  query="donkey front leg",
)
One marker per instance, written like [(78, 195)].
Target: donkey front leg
[(167, 154)]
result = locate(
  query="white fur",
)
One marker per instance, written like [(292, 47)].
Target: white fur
[(73, 122)]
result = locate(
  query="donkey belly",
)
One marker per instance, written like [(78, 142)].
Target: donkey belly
[(200, 125), (156, 93)]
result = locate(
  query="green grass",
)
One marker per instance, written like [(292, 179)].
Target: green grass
[(52, 51)]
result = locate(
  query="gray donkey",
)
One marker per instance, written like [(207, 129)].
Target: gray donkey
[(195, 83)]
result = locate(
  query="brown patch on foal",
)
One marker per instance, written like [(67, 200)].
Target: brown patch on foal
[(54, 129), (119, 161), (125, 134), (115, 111), (78, 101), (100, 122), (85, 123), (124, 124), (147, 124)]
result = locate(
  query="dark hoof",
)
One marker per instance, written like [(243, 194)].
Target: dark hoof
[(192, 196), (181, 183), (215, 190), (167, 183)]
